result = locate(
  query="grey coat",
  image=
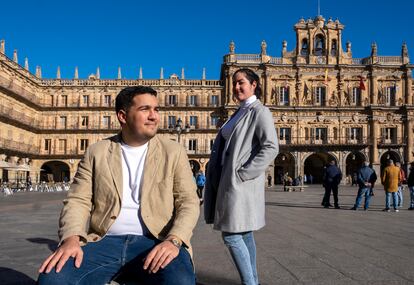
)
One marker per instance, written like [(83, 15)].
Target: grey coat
[(234, 194)]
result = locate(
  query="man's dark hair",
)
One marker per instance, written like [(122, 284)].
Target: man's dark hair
[(124, 99), (251, 76)]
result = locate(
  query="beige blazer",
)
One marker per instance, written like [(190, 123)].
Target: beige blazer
[(169, 203)]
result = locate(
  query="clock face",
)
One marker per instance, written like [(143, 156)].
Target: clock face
[(319, 59)]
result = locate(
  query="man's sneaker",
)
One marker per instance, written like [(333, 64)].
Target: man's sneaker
[(354, 208), (396, 210), (411, 208), (386, 210), (365, 209), (337, 207)]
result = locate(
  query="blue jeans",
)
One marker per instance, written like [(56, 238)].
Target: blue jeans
[(394, 199), (123, 255), (400, 196), (243, 251), (411, 196), (363, 192)]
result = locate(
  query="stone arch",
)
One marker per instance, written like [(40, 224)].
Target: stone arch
[(284, 162), (319, 44), (353, 162), (390, 154), (195, 166), (314, 165), (55, 171)]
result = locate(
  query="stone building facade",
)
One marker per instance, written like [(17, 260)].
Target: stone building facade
[(325, 103)]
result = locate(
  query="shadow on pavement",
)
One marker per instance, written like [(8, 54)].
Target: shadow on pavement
[(52, 244), (204, 278), (12, 277)]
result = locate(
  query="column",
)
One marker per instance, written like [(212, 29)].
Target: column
[(373, 90), (374, 135), (410, 139)]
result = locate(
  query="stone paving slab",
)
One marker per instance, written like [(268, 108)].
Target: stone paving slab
[(302, 242)]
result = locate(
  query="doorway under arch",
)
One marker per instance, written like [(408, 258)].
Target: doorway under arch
[(314, 166), (354, 161), (389, 155), (55, 171), (195, 166), (284, 163)]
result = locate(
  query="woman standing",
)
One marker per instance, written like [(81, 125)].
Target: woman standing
[(234, 193)]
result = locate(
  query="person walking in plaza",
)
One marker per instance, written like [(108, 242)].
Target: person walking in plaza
[(200, 181), (331, 178), (365, 180), (234, 196), (390, 179), (410, 184), (400, 194), (131, 208)]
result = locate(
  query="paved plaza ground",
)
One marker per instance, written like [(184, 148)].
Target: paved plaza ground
[(302, 243)]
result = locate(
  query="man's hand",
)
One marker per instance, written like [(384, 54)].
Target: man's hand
[(69, 248), (160, 256)]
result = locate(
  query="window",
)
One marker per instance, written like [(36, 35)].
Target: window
[(48, 145), (106, 122), (83, 144), (192, 145), (192, 100), (63, 121), (320, 93), (172, 120), (84, 121), (355, 134), (107, 100), (172, 100), (214, 101), (284, 134), (64, 100), (321, 134), (214, 121), (305, 47), (193, 121), (284, 96), (389, 135), (85, 99), (356, 96), (51, 100), (62, 146), (390, 96)]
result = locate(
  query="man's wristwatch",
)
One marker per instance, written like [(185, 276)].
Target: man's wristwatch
[(175, 242)]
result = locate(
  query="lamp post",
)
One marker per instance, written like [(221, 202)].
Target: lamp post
[(179, 129)]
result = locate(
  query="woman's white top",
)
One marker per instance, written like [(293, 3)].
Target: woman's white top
[(228, 127), (128, 221)]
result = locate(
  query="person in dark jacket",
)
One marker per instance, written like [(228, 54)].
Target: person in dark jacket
[(366, 177), (331, 179), (410, 183)]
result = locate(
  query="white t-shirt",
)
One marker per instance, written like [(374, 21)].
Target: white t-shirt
[(128, 221)]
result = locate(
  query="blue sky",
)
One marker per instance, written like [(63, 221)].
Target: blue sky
[(183, 33)]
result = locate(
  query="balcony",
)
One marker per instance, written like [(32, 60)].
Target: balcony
[(393, 141)]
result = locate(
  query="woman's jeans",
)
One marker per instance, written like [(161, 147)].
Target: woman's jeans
[(243, 251), (106, 259)]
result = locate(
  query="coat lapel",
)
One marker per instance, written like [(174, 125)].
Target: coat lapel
[(152, 162), (115, 163)]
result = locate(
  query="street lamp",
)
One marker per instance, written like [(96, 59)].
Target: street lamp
[(178, 128)]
